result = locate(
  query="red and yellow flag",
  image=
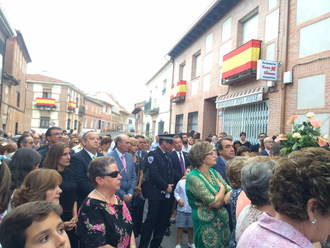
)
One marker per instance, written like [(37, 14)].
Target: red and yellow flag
[(72, 105), (241, 59), (45, 101)]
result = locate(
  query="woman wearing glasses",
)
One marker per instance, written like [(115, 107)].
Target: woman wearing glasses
[(207, 193), (104, 220)]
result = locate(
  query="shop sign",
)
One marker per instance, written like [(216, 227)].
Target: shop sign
[(267, 70), (240, 100)]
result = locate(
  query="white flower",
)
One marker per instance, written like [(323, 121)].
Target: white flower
[(310, 115), (296, 135)]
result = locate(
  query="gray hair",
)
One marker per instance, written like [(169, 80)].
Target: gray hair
[(256, 177), (97, 168)]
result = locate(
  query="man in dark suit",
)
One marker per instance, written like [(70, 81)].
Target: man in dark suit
[(80, 161), (159, 191), (138, 199), (225, 150), (179, 159), (126, 166), (53, 135), (268, 143), (260, 146)]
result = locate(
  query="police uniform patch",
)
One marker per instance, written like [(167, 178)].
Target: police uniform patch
[(150, 159)]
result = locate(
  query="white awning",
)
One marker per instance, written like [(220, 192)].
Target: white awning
[(240, 98)]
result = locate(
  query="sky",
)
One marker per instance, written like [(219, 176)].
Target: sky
[(115, 46)]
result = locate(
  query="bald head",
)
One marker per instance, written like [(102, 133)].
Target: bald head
[(268, 143), (122, 143)]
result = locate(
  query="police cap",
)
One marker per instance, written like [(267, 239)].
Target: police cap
[(166, 137)]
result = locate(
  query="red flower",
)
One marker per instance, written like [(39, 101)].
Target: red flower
[(292, 119)]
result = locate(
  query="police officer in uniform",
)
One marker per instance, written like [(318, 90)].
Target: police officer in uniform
[(158, 188)]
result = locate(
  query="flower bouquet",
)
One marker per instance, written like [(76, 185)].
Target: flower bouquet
[(306, 134)]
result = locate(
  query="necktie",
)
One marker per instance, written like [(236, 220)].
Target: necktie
[(123, 161), (94, 156), (182, 163)]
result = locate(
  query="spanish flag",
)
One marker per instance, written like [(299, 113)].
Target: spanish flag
[(241, 59), (45, 102), (72, 105)]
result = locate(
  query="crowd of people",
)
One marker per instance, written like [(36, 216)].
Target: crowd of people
[(61, 189)]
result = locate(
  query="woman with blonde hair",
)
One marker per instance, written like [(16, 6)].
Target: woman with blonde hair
[(39, 185), (207, 193)]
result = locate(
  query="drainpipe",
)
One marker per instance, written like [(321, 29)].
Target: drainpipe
[(285, 64)]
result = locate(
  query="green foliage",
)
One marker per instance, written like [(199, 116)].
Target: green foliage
[(302, 135)]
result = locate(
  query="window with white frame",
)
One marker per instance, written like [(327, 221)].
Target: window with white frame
[(182, 71), (311, 92), (192, 121), (179, 123), (307, 11), (44, 122), (226, 30), (313, 39), (209, 43), (250, 28), (208, 62), (196, 65), (164, 86), (272, 21)]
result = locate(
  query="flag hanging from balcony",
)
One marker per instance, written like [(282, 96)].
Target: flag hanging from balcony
[(178, 93), (72, 105), (241, 59), (50, 102)]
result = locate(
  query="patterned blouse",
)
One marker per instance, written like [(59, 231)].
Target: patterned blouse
[(269, 232), (101, 223)]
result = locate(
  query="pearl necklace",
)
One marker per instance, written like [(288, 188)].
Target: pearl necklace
[(104, 198)]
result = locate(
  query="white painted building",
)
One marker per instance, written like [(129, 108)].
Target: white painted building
[(157, 107)]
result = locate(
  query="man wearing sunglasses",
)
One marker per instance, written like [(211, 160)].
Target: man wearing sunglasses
[(158, 188)]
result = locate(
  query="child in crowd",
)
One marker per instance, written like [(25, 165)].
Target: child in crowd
[(34, 225), (183, 216)]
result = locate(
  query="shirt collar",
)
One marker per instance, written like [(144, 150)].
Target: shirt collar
[(90, 154), (119, 153)]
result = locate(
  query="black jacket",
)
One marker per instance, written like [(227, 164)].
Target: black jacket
[(161, 174), (79, 166), (43, 150), (176, 165)]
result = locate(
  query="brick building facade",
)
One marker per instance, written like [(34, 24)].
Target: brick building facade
[(217, 59)]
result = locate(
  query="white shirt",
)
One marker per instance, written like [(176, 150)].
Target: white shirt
[(91, 154), (186, 149), (180, 194)]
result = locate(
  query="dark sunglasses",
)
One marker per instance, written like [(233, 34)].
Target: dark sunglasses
[(113, 174)]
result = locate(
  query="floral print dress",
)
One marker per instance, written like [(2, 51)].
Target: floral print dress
[(101, 223)]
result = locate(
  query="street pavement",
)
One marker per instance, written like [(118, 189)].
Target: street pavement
[(168, 241)]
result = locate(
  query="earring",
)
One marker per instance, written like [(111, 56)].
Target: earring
[(314, 221)]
